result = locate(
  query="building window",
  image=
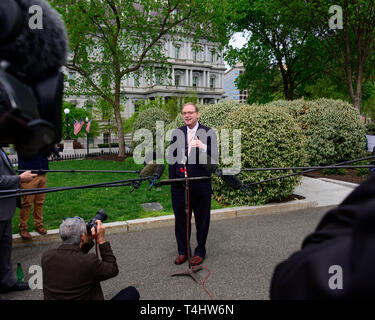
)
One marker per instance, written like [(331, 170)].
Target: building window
[(158, 79), (194, 55), (136, 82), (106, 137), (176, 80), (212, 83), (177, 52), (89, 109), (212, 56), (136, 105), (195, 81)]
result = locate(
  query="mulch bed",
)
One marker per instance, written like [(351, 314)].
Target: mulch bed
[(350, 176), (291, 197)]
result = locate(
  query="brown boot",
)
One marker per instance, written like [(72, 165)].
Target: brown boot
[(25, 235), (40, 229)]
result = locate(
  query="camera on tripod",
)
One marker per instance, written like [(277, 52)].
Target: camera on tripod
[(100, 215)]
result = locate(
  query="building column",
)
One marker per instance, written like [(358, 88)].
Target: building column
[(191, 78), (204, 79), (187, 77)]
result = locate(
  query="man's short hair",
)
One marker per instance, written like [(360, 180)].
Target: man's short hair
[(190, 103), (71, 230)]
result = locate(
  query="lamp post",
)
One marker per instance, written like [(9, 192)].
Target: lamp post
[(66, 111), (87, 136)]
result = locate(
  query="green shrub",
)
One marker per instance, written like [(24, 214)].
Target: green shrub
[(214, 115), (147, 120), (270, 137), (106, 145), (333, 129)]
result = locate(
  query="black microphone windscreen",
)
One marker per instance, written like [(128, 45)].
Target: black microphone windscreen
[(210, 165), (232, 181), (148, 170), (159, 170), (37, 52)]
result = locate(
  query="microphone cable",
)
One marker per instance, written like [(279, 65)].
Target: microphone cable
[(187, 236)]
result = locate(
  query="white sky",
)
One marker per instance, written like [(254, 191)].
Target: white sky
[(238, 40)]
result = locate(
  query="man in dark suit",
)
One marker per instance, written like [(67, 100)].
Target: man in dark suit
[(71, 273), (194, 142), (9, 180)]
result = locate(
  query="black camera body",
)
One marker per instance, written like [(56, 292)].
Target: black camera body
[(100, 215)]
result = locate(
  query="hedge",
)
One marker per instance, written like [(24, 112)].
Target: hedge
[(270, 137), (334, 130)]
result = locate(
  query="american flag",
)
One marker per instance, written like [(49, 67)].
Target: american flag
[(88, 126), (77, 126)]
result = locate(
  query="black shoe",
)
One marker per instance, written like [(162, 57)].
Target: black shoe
[(18, 286)]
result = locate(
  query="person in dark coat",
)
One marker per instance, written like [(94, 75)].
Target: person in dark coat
[(9, 180), (188, 144), (336, 261), (71, 273)]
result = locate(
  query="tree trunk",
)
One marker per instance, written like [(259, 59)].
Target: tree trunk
[(120, 128), (357, 102)]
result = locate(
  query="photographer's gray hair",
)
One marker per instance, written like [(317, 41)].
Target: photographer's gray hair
[(71, 230)]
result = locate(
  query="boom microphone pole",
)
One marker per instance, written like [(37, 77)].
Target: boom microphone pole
[(79, 171)]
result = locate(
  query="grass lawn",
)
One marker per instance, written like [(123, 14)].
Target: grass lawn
[(118, 202)]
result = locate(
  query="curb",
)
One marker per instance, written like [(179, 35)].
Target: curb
[(342, 183), (164, 221)]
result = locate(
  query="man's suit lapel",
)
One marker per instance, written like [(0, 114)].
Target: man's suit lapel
[(6, 160)]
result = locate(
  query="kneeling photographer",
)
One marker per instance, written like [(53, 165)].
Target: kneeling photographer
[(71, 273)]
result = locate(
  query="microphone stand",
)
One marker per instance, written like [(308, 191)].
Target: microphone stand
[(191, 271)]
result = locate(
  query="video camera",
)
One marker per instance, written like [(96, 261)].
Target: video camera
[(31, 81)]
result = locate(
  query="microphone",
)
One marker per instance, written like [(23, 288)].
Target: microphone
[(148, 170), (159, 170), (230, 179), (34, 52), (152, 169)]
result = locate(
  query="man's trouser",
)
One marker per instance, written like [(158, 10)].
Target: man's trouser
[(37, 200)]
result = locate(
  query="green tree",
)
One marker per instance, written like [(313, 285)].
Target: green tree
[(346, 34), (77, 114), (107, 122), (279, 58), (111, 40)]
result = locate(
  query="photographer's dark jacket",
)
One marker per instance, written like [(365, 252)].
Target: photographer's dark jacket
[(71, 274), (338, 259)]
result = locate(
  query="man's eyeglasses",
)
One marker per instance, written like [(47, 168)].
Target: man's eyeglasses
[(188, 113)]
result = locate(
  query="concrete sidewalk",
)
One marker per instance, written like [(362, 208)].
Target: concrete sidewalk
[(325, 192)]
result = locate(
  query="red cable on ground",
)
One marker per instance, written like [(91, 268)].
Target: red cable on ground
[(187, 238)]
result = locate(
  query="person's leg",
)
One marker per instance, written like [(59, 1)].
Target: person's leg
[(129, 293), (202, 213), (38, 204), (178, 204), (26, 203), (7, 279)]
